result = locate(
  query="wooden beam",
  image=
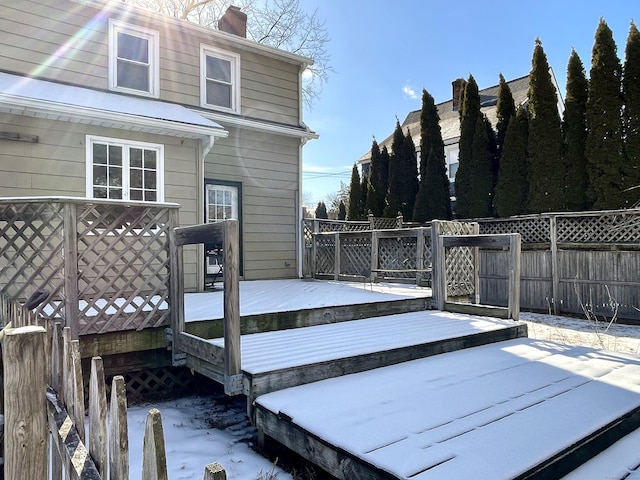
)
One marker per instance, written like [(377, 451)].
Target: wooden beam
[(70, 245), (194, 234), (480, 241), (232, 352)]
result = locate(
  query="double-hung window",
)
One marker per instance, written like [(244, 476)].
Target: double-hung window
[(124, 170), (219, 79), (133, 59)]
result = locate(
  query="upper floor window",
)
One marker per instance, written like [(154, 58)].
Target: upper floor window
[(133, 59), (219, 79), (124, 170)]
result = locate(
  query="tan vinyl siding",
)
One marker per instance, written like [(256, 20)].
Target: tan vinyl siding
[(54, 40), (267, 166), (56, 165), (72, 47)]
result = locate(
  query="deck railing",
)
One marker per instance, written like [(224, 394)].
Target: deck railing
[(105, 263)]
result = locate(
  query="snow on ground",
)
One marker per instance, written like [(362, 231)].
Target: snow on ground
[(205, 429), (575, 331)]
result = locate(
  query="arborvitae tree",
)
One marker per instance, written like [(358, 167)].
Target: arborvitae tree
[(321, 210), (604, 148), (409, 177), (511, 189), (432, 200), (365, 193), (396, 163), (545, 166), (574, 128), (355, 196), (505, 109), (377, 190), (385, 162), (342, 211), (481, 194), (469, 113), (631, 116)]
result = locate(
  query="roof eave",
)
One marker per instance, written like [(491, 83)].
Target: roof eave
[(80, 114)]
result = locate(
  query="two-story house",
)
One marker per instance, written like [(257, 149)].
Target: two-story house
[(450, 120), (100, 99)]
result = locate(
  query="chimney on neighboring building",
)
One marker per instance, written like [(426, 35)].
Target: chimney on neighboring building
[(457, 85), (233, 21)]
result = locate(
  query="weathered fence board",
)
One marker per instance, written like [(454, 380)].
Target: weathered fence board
[(25, 448)]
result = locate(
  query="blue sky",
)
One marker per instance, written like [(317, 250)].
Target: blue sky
[(384, 53)]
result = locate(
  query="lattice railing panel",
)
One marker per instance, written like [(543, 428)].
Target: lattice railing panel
[(325, 254), (532, 230), (609, 227), (459, 261), (31, 246), (384, 223), (398, 254), (123, 264), (355, 255)]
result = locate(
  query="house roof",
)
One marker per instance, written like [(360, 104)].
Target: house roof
[(450, 118), (55, 101)]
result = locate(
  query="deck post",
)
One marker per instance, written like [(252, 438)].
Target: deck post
[(514, 276), (71, 308), (232, 352), (439, 283), (336, 256), (176, 291), (555, 281), (420, 255), (374, 253)]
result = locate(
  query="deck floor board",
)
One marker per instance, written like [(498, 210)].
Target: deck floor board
[(495, 411), (269, 351)]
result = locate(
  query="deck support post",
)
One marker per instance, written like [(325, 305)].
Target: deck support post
[(71, 309), (374, 254), (232, 353)]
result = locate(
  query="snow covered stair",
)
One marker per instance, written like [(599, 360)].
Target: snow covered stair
[(515, 409), (281, 359)]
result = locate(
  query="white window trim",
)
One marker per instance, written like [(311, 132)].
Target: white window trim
[(153, 36), (91, 139), (234, 58)]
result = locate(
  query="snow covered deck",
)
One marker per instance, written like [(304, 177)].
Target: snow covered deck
[(277, 296), (515, 409), (300, 331), (285, 358)]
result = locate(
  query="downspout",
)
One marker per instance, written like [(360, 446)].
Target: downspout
[(207, 148), (207, 145), (298, 200)]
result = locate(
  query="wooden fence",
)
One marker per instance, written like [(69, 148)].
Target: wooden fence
[(44, 401), (569, 261), (105, 263)]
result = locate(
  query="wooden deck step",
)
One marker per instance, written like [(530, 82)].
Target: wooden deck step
[(515, 409), (275, 360)]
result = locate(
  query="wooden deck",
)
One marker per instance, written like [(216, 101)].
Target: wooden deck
[(280, 359), (516, 409)]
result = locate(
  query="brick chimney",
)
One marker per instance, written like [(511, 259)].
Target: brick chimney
[(458, 84), (233, 21)]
